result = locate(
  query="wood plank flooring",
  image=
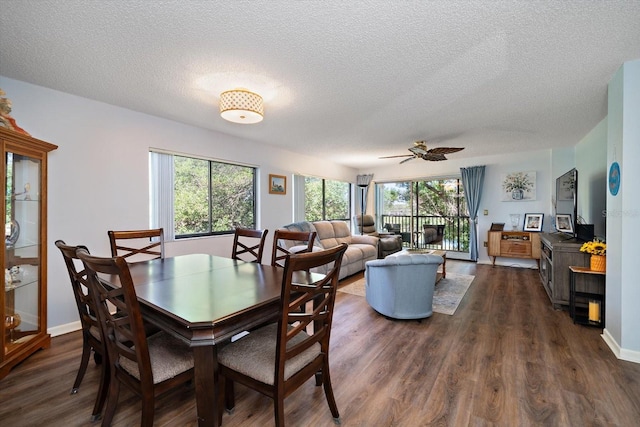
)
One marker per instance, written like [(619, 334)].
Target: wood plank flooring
[(506, 358)]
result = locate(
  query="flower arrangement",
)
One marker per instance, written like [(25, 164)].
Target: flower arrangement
[(594, 247), (517, 181)]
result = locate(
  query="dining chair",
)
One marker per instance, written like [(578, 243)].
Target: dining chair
[(149, 366), (244, 246), (137, 245), (300, 242), (277, 359), (91, 338)]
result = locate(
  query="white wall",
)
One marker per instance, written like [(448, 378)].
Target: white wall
[(591, 162), (623, 210), (98, 177)]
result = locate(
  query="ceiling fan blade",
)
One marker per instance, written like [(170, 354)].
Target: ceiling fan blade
[(406, 160), (444, 150), (433, 157), (418, 150), (391, 157)]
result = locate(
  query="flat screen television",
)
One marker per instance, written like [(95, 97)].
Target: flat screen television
[(567, 203)]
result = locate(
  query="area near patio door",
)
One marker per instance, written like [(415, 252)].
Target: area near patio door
[(412, 205)]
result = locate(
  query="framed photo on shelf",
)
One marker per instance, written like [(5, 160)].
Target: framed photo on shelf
[(277, 184), (564, 223), (533, 221)]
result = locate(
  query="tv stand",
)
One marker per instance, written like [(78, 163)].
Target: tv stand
[(558, 253)]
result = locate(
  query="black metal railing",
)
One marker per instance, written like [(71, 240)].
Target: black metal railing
[(456, 231)]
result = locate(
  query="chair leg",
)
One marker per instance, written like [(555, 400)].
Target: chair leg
[(84, 362), (278, 409), (328, 392), (112, 399), (103, 389), (229, 395), (148, 406)]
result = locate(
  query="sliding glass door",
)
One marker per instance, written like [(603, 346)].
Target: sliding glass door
[(412, 207)]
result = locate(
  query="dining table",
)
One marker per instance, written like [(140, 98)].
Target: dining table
[(204, 300)]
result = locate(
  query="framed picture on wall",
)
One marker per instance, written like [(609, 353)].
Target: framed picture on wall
[(277, 184), (519, 186), (533, 221), (564, 223)]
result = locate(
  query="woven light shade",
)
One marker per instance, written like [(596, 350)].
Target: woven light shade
[(241, 106)]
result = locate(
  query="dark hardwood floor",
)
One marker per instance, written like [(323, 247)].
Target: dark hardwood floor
[(506, 358)]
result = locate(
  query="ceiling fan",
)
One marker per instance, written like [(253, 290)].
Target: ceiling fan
[(420, 151)]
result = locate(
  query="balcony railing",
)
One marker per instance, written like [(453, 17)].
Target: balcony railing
[(456, 231)]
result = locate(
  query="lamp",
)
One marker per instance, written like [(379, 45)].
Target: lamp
[(241, 106), (363, 187)]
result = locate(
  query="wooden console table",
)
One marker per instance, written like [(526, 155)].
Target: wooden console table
[(514, 244)]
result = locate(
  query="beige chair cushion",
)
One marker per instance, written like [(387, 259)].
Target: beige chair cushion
[(254, 355), (169, 357)]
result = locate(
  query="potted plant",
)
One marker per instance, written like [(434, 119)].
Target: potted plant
[(598, 251)]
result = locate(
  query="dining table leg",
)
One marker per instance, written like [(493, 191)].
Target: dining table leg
[(205, 371)]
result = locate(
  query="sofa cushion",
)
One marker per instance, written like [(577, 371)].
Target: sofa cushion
[(332, 233)]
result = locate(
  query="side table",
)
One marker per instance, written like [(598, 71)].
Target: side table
[(586, 308)]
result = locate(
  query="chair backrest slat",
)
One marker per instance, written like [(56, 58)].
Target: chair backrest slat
[(123, 328), (137, 245), (245, 247), (302, 242), (300, 290)]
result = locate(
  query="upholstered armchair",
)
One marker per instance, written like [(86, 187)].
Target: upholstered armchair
[(432, 234), (401, 285), (395, 229), (387, 244)]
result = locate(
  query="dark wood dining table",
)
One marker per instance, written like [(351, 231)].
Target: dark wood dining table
[(204, 300)]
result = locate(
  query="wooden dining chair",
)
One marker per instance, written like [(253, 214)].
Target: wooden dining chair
[(91, 338), (277, 359), (149, 366), (137, 245), (301, 242), (245, 247)]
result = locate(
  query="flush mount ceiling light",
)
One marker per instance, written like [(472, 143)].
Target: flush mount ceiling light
[(241, 106)]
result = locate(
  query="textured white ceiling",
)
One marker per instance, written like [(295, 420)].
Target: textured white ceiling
[(349, 81)]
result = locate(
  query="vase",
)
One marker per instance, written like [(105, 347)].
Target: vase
[(517, 194), (598, 262)]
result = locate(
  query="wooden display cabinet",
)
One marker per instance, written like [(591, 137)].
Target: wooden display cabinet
[(514, 244), (23, 301)]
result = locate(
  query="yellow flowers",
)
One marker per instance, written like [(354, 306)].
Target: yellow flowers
[(595, 247)]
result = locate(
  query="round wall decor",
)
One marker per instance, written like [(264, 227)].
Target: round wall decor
[(614, 178)]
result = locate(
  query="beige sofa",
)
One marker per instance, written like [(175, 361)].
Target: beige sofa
[(332, 233)]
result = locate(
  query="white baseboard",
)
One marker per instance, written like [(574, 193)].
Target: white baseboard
[(65, 329), (620, 353)]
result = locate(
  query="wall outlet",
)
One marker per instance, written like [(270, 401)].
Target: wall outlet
[(486, 212), (486, 244)]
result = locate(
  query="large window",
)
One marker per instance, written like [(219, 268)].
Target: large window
[(207, 197), (325, 199), (414, 204)]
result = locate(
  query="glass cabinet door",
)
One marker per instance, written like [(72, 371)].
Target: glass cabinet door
[(22, 291)]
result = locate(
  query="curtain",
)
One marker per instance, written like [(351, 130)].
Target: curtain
[(472, 182), (298, 198), (161, 189)]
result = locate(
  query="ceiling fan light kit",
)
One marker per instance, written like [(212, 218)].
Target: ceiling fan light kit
[(420, 151), (241, 106)]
